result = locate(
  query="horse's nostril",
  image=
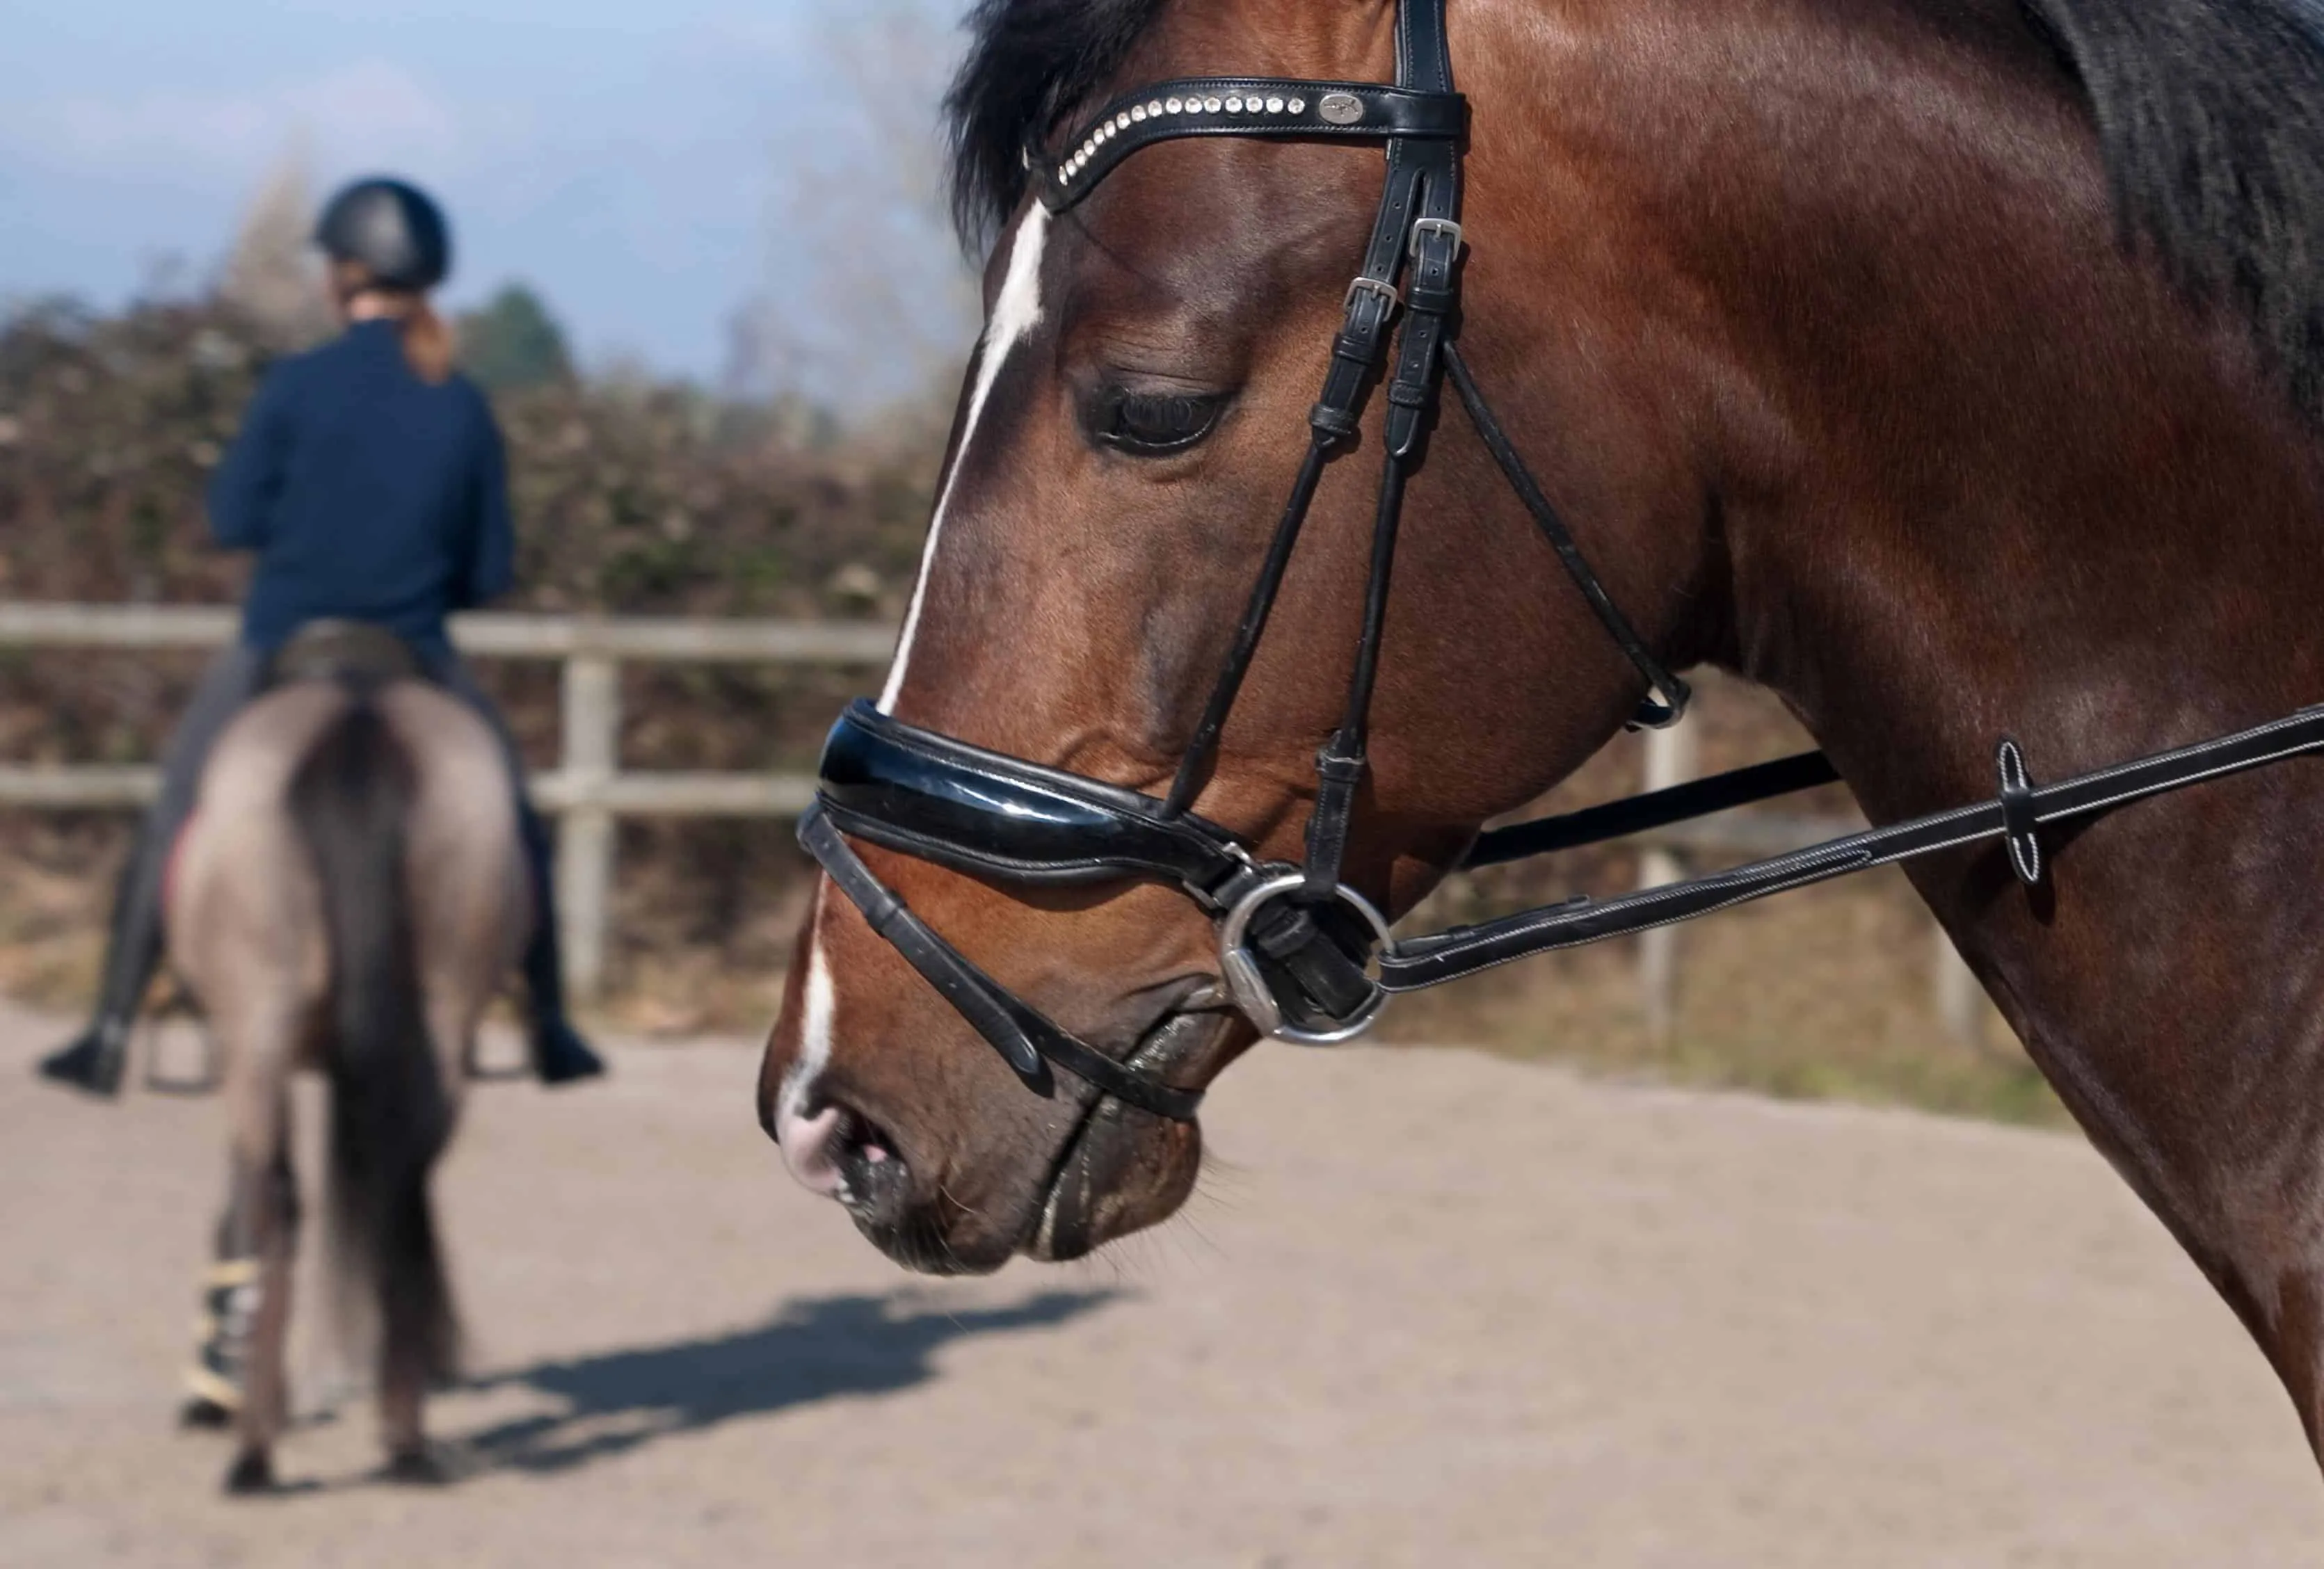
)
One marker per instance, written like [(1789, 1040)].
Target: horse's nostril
[(873, 1179), (842, 1154), (810, 1147)]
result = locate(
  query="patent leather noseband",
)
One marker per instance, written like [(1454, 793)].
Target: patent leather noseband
[(1305, 957)]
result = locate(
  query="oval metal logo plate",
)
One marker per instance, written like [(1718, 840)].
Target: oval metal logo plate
[(1340, 108)]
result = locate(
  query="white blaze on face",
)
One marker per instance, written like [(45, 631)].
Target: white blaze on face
[(817, 1004), (1015, 314)]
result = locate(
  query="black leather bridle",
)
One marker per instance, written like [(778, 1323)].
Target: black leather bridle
[(1305, 956)]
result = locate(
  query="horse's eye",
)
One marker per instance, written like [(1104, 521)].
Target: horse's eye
[(1149, 424)]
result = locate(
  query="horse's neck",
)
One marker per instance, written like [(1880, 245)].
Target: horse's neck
[(2010, 483), (2095, 532), (2015, 483), (1975, 468)]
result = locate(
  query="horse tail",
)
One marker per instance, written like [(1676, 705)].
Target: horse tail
[(390, 1114)]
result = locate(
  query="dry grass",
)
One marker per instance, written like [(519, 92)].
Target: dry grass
[(1823, 994)]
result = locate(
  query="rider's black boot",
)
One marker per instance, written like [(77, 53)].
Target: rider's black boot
[(560, 1054), (96, 1060), (93, 1061)]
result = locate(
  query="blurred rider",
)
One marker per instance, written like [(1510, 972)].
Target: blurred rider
[(370, 480)]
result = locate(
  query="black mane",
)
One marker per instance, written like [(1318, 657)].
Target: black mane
[(1031, 62), (2210, 114)]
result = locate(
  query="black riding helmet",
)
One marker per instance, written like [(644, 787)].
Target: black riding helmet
[(390, 229)]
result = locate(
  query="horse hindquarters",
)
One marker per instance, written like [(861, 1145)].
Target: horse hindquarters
[(391, 1110)]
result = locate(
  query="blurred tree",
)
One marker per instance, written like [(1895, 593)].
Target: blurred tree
[(512, 342), (887, 332), (271, 279)]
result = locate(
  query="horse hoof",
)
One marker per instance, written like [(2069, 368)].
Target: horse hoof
[(252, 1474), (416, 1467), (204, 1413)]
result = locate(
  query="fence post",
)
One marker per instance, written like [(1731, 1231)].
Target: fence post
[(1952, 986), (1673, 757), (584, 837)]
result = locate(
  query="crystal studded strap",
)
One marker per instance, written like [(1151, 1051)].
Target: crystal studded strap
[(1270, 106)]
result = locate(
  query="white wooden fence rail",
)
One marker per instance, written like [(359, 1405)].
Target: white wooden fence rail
[(589, 791)]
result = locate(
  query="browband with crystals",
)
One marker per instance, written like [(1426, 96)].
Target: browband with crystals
[(1243, 107)]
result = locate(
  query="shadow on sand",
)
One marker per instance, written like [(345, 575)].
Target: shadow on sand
[(811, 1351)]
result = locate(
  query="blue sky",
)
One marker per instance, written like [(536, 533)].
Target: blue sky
[(628, 159)]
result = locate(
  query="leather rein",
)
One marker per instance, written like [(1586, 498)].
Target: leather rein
[(1305, 957)]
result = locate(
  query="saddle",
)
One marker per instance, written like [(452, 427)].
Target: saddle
[(359, 654)]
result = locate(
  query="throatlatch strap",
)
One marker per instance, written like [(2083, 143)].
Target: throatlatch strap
[(1665, 703)]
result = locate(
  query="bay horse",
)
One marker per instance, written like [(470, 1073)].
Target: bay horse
[(1953, 368), (346, 898)]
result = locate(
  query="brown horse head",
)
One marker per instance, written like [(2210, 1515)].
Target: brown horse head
[(1950, 367), (1129, 425)]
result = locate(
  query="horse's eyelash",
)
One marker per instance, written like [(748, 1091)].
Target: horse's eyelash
[(1172, 419)]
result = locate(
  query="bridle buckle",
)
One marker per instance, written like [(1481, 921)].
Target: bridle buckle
[(1249, 986), (1446, 226), (1362, 285)]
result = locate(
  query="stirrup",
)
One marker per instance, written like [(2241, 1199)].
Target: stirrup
[(180, 1003)]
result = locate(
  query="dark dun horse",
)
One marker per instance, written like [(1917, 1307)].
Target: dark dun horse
[(346, 898), (1951, 367)]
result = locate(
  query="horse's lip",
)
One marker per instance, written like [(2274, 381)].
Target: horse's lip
[(1183, 1034)]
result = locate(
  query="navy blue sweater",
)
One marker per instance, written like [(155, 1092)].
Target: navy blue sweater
[(368, 493)]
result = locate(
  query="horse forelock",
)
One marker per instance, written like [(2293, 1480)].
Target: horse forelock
[(1030, 63)]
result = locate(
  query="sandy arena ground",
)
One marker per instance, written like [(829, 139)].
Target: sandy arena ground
[(1429, 1308)]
